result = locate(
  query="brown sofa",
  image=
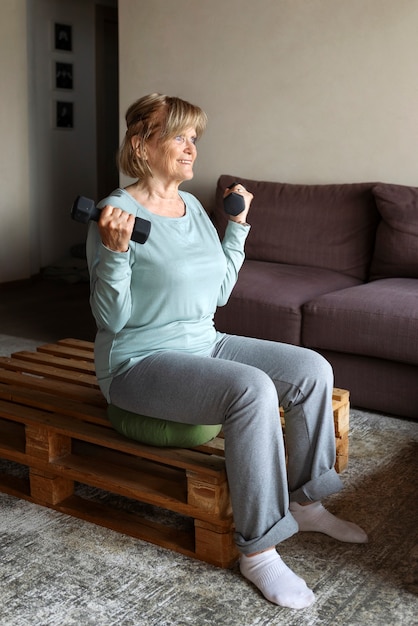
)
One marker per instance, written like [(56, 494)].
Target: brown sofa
[(334, 268)]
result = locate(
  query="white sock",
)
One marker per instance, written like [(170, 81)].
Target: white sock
[(275, 580), (315, 518)]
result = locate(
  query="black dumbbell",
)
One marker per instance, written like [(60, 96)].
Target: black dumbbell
[(84, 210), (234, 203)]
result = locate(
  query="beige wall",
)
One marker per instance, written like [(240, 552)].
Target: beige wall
[(296, 90), (14, 162)]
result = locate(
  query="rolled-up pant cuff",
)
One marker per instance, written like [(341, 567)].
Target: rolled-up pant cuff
[(285, 528), (317, 488)]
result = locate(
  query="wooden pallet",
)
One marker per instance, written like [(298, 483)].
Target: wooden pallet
[(53, 423)]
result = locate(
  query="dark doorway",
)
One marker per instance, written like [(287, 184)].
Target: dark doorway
[(107, 99)]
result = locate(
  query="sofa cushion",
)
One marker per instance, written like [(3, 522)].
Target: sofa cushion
[(267, 300), (378, 319), (396, 250), (327, 226)]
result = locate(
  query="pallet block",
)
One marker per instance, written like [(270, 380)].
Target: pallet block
[(53, 422)]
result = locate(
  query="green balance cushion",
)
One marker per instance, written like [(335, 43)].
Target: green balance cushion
[(156, 432)]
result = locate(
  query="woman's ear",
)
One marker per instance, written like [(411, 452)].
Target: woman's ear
[(137, 149)]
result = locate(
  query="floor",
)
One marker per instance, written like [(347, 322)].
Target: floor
[(46, 309)]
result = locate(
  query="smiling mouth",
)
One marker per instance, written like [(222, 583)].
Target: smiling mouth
[(185, 162)]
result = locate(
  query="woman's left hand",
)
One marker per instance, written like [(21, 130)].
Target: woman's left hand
[(241, 218)]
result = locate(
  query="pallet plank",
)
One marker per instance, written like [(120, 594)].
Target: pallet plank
[(48, 371), (79, 344), (67, 351), (57, 404), (58, 387), (44, 358)]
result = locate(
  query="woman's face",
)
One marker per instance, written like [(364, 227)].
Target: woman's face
[(172, 160)]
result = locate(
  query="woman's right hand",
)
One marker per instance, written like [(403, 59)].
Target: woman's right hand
[(239, 188), (115, 228)]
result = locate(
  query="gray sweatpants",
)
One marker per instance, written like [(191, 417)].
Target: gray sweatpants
[(241, 386)]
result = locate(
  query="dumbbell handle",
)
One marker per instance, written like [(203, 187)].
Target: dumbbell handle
[(234, 203), (84, 210)]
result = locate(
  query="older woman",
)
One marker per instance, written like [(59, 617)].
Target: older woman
[(158, 353)]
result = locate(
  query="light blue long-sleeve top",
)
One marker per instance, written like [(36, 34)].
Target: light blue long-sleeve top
[(161, 295)]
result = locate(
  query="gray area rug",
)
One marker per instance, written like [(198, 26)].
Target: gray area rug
[(60, 571)]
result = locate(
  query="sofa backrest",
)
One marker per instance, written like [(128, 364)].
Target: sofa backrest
[(328, 226)]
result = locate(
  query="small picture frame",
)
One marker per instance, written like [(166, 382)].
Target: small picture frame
[(64, 114), (63, 75), (63, 37)]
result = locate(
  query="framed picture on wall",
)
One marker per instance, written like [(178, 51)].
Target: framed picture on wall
[(63, 37), (64, 114), (63, 75)]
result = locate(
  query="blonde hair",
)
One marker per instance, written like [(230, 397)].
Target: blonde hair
[(155, 112)]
